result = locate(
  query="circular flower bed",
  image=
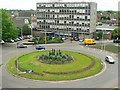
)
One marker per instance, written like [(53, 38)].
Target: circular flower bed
[(55, 57)]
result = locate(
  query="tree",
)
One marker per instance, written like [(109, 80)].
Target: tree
[(35, 39), (26, 30), (100, 35), (116, 33), (9, 30)]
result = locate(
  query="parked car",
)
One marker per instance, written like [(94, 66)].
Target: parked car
[(20, 38), (40, 47), (109, 59), (116, 41), (10, 40), (30, 40), (76, 39), (21, 46), (63, 38), (2, 42)]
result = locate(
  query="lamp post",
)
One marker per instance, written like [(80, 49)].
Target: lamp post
[(31, 27), (45, 36), (103, 44), (21, 33), (102, 41), (17, 60)]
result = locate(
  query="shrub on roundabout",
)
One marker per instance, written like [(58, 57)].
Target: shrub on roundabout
[(55, 57)]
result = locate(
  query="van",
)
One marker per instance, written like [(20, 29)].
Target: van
[(89, 41)]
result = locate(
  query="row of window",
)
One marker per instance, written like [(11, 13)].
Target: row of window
[(62, 21), (63, 27), (64, 5), (67, 29), (77, 24), (64, 10), (63, 17), (66, 19)]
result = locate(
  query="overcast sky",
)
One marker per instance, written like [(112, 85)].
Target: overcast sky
[(31, 4)]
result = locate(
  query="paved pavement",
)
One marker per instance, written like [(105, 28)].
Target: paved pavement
[(107, 79)]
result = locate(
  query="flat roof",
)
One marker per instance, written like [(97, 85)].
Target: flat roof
[(106, 27)]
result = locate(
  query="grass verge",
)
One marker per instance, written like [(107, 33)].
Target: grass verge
[(110, 48)]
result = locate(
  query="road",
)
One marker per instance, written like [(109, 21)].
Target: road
[(107, 79)]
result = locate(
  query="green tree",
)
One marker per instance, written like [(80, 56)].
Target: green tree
[(100, 34), (9, 30), (26, 30), (35, 39), (116, 33)]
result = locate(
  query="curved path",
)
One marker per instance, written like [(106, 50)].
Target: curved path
[(107, 79)]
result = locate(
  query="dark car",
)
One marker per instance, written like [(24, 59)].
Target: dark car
[(116, 41), (21, 46), (40, 47)]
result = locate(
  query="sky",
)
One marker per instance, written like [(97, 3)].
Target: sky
[(31, 4)]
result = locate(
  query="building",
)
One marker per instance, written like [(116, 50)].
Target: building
[(106, 29), (21, 18), (66, 17)]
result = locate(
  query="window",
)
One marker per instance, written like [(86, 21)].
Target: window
[(72, 16), (85, 17), (72, 22), (82, 23), (53, 5), (57, 21)]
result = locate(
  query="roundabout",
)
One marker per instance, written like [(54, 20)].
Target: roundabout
[(107, 78), (53, 68)]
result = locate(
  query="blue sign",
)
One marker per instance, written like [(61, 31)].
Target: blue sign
[(30, 72)]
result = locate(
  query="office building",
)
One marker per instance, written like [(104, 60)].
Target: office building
[(67, 17)]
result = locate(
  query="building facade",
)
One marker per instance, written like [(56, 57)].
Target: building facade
[(67, 17)]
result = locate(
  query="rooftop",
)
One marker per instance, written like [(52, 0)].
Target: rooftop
[(106, 27)]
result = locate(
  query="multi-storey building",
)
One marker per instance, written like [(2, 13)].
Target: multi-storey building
[(67, 17)]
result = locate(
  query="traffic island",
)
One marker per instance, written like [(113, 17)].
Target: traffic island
[(78, 66)]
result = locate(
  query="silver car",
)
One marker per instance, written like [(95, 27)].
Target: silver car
[(21, 46), (109, 59)]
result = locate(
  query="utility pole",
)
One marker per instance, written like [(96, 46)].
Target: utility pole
[(21, 33), (17, 61), (45, 36)]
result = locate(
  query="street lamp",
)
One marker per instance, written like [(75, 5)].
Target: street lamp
[(102, 41), (103, 44), (17, 60), (45, 36), (31, 27), (21, 33)]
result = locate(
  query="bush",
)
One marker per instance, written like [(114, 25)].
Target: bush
[(55, 57)]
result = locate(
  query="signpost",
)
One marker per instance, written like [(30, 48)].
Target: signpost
[(30, 72)]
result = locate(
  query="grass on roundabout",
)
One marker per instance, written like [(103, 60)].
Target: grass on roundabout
[(29, 61)]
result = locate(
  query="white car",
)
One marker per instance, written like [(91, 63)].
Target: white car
[(2, 42), (21, 46), (109, 59)]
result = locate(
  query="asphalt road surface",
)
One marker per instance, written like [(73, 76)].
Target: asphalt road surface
[(107, 79)]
